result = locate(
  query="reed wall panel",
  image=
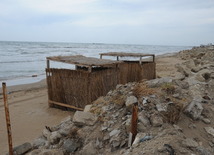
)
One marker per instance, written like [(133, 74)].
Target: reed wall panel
[(134, 71), (68, 86), (80, 87), (77, 87), (101, 82), (148, 70)]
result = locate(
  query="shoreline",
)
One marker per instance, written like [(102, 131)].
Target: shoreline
[(23, 80), (25, 87)]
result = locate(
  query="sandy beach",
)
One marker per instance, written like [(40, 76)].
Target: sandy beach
[(29, 111)]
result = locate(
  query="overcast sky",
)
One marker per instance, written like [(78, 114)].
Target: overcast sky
[(153, 22)]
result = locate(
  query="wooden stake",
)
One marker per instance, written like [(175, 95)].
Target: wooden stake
[(134, 121), (7, 115)]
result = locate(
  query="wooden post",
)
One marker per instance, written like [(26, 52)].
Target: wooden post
[(140, 60), (7, 115), (101, 56), (153, 58), (90, 68), (48, 64), (134, 121)]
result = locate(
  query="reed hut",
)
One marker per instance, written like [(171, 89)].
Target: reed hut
[(134, 70), (75, 88)]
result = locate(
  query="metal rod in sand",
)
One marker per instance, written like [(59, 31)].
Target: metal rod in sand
[(7, 115)]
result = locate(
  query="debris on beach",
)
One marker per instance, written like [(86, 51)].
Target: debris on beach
[(175, 116)]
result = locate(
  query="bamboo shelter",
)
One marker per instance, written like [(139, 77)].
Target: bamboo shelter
[(75, 88), (137, 70)]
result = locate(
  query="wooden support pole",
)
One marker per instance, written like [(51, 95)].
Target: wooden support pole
[(153, 58), (140, 60), (90, 68), (7, 115), (48, 64), (134, 121)]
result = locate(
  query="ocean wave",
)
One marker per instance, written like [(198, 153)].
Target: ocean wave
[(19, 59)]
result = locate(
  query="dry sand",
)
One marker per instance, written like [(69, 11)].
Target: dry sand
[(29, 111), (29, 114)]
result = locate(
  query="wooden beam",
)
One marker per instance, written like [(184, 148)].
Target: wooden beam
[(65, 105), (7, 115)]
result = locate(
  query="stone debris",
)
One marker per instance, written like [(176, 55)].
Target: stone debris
[(22, 149), (87, 108), (145, 138), (156, 120), (203, 151), (130, 101), (160, 81), (71, 145), (206, 120), (114, 133), (46, 152), (37, 143), (143, 119), (55, 137), (161, 107), (46, 133), (194, 109), (89, 149), (173, 114), (210, 130), (189, 143), (84, 118)]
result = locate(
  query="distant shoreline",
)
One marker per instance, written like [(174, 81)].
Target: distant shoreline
[(24, 80)]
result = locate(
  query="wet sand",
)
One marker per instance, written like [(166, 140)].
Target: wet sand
[(30, 113)]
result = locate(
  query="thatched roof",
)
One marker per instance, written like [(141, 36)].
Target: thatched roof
[(123, 54), (80, 60)]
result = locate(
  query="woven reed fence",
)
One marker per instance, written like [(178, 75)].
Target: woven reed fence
[(77, 87), (148, 70), (131, 71)]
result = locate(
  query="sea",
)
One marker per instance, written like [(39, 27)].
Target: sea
[(25, 62)]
